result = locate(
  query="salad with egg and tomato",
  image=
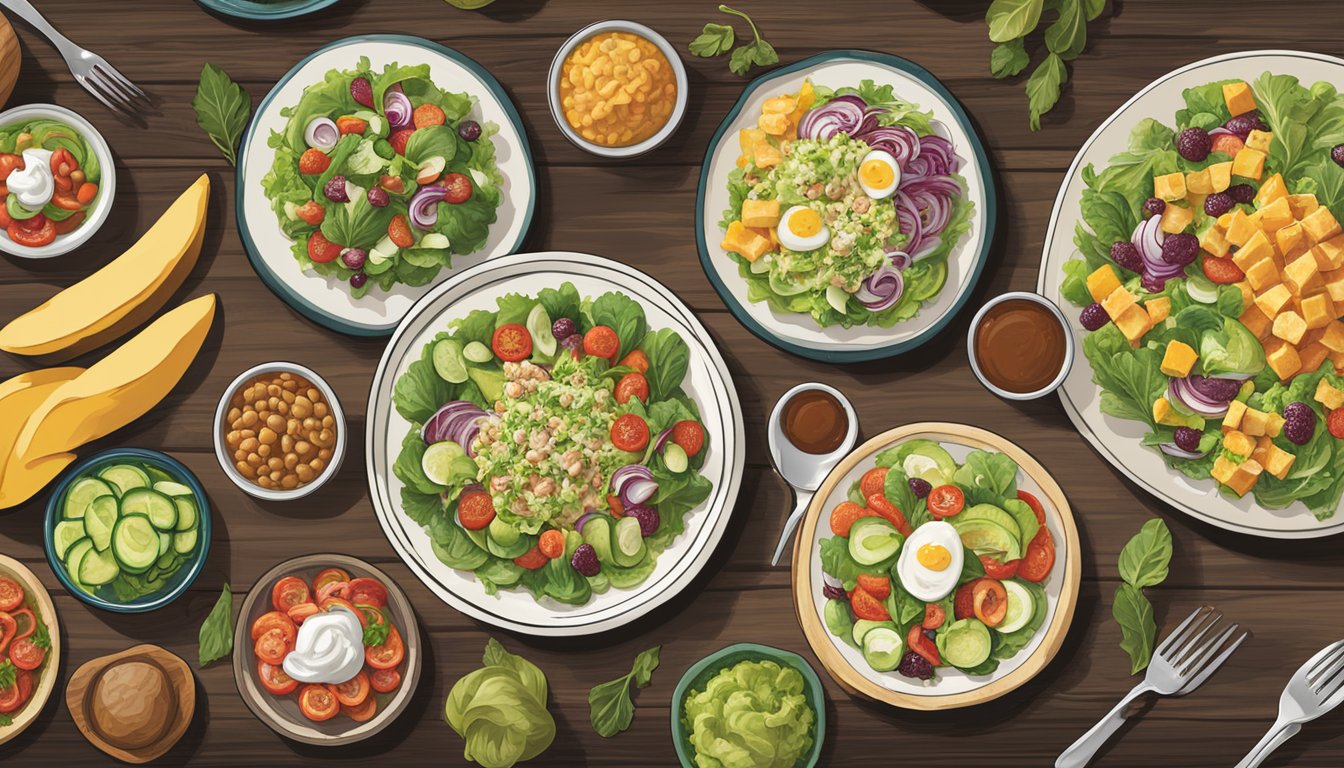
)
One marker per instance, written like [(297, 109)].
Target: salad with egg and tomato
[(49, 177), (552, 446), (1211, 282), (937, 564), (845, 205), (382, 177), (24, 643), (333, 641)]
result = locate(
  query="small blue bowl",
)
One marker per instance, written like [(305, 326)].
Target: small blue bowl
[(266, 11), (186, 574)]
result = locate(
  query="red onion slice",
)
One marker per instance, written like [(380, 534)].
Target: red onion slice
[(882, 289), (1171, 449), (321, 133), (397, 108), (424, 206), (1180, 390)]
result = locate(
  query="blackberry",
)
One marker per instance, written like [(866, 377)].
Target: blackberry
[(1194, 144), (335, 190), (647, 517), (1154, 206), (1299, 423), (1180, 249), (1187, 439), (1218, 203), (585, 560), (1337, 154), (469, 130), (1242, 193), (1126, 254), (358, 280), (920, 487), (378, 197), (1094, 317), (916, 666), (1242, 125)]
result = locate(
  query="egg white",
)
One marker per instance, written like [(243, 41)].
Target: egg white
[(795, 242), (924, 583), (886, 158)]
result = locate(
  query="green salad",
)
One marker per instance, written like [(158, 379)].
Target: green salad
[(1211, 280), (552, 446), (382, 177), (751, 715)]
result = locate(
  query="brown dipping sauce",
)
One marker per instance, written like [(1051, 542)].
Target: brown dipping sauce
[(815, 422), (1019, 346)]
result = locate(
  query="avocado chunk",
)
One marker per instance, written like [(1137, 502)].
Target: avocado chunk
[(965, 644), (984, 537)]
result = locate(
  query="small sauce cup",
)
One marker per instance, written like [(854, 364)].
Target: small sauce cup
[(1020, 346)]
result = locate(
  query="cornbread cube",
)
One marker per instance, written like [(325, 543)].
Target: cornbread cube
[(1271, 189), (1245, 477), (1198, 182), (1290, 326), (1249, 163), (1220, 176), (1301, 205), (1178, 359), (1262, 274), (1101, 282), (1302, 276), (1254, 422), (1318, 311), (1237, 442), (1284, 361), (1175, 219), (1238, 97), (1259, 140), (1213, 241), (1277, 461), (1273, 424), (1240, 228), (1117, 302), (1223, 469), (1261, 451), (1320, 224), (1334, 285), (743, 241), (760, 213), (1158, 309), (1247, 293), (1276, 215), (1225, 220), (1235, 411), (1288, 239), (1133, 322), (1333, 336), (1170, 187), (766, 155), (1329, 253), (1256, 322), (1312, 356), (1337, 359), (1272, 301), (1255, 248)]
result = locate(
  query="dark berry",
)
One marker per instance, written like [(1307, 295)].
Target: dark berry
[(1187, 439), (1242, 125), (916, 666), (1216, 388), (335, 190), (647, 517), (1242, 193), (920, 487), (361, 91), (1154, 206), (832, 592), (1299, 422), (469, 130), (1337, 154), (354, 257), (1180, 249), (585, 560), (1218, 203), (358, 280), (1194, 144), (574, 343), (1094, 317), (378, 197), (1126, 254), (564, 328)]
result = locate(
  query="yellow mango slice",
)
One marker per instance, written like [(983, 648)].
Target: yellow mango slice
[(21, 395), (124, 293)]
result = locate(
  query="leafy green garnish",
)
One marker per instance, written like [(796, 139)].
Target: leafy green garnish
[(717, 39), (1143, 563), (8, 674), (1144, 560), (714, 40), (609, 706), (376, 632), (1011, 21), (1043, 87), (41, 636), (222, 109), (1008, 59), (500, 710), (1138, 630), (216, 635)]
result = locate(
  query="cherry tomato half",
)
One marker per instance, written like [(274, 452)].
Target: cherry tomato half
[(511, 343), (632, 385), (873, 481), (354, 691), (289, 592), (475, 510), (601, 341), (366, 591), (389, 654), (630, 433), (385, 680), (274, 620), (946, 500), (690, 435), (27, 654), (989, 601), (274, 679), (1221, 271), (364, 712), (318, 702), (272, 646)]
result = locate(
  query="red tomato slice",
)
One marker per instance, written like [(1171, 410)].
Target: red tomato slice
[(27, 654), (997, 570), (632, 385), (873, 481), (637, 360), (331, 589), (332, 602), (868, 606), (963, 605), (511, 343), (11, 595), (274, 679), (389, 654), (1035, 505), (302, 611), (946, 500), (364, 712), (917, 642), (274, 620), (989, 601), (318, 702), (532, 559), (289, 592), (354, 691), (630, 433), (877, 586), (272, 646), (13, 697), (366, 591), (934, 616), (879, 504), (601, 341), (1039, 558), (9, 629), (385, 680), (475, 510), (845, 514), (329, 576), (688, 434)]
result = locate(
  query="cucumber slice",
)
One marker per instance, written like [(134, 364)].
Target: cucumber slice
[(837, 298), (187, 515), (135, 543), (97, 568), (99, 520), (184, 543), (160, 509), (924, 289), (627, 543), (167, 561), (449, 362), (1020, 607), (965, 644), (165, 544), (597, 532), (675, 458), (85, 490), (1201, 289), (872, 540), (64, 536), (477, 352), (157, 475), (882, 647), (125, 477), (74, 557), (863, 626), (539, 325), (172, 488)]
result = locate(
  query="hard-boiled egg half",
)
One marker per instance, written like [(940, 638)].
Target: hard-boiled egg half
[(931, 561), (800, 229), (879, 174)]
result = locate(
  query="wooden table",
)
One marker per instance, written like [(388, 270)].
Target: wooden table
[(1290, 594)]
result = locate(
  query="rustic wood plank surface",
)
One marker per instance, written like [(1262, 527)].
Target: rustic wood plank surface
[(1290, 594)]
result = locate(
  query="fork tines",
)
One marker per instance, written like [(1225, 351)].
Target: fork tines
[(1197, 641), (1327, 675)]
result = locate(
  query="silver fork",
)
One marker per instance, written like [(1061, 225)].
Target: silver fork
[(92, 71), (1180, 664), (1314, 689)]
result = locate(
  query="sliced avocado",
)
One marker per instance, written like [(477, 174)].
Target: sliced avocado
[(628, 543), (986, 538), (965, 644), (872, 540), (490, 380), (927, 460), (597, 533), (988, 512), (839, 621), (882, 648)]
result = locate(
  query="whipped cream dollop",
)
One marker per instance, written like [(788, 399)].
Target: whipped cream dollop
[(33, 184), (329, 648)]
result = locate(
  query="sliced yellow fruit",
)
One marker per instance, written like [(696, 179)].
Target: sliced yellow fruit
[(21, 395)]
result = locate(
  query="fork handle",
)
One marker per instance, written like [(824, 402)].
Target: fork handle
[(1081, 752), (802, 499), (1277, 735), (28, 13)]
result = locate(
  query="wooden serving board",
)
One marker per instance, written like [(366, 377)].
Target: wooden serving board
[(179, 677), (10, 61), (824, 645), (51, 667)]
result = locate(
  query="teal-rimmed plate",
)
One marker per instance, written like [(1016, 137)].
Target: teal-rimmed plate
[(699, 674), (325, 300), (799, 333), (263, 11)]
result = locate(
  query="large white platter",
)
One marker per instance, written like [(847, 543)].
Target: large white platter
[(707, 382), (1117, 440), (327, 300), (799, 333)]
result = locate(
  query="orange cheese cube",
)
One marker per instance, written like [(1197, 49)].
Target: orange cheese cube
[(1240, 228), (1223, 469), (1178, 359), (1318, 311), (1249, 163), (1302, 276), (1302, 204), (760, 213), (1254, 423), (1236, 441), (1290, 326), (1158, 309), (1247, 294), (1329, 396), (1271, 189), (1320, 224), (1259, 140), (1213, 241), (1329, 253), (1334, 285), (1276, 215), (1102, 282), (741, 240), (1117, 302), (1312, 356), (1333, 336), (1198, 182), (1169, 187), (1175, 219), (1290, 241), (1284, 361), (1236, 410), (1245, 477), (1238, 97), (1272, 301), (1337, 359), (1277, 461), (1254, 249), (1256, 322), (1273, 424), (1133, 322), (1220, 176), (1262, 275)]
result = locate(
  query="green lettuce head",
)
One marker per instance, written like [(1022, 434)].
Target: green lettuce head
[(1232, 350), (500, 710)]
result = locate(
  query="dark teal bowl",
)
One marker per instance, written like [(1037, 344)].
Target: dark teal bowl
[(263, 11), (699, 674), (103, 596)]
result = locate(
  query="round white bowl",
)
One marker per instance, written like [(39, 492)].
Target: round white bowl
[(107, 186), (558, 111), (226, 460), (1068, 345)]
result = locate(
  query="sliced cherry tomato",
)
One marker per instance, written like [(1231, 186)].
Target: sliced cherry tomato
[(273, 646), (302, 611), (532, 559), (427, 115), (630, 433), (457, 188), (274, 620), (690, 435), (616, 507), (274, 679), (877, 586), (552, 543), (934, 616), (385, 680), (1035, 505), (873, 481), (32, 233), (354, 691), (349, 124), (868, 606), (25, 622), (333, 602), (69, 223), (318, 702), (62, 165), (86, 192), (367, 591), (9, 163), (475, 510), (369, 614), (398, 139), (989, 600), (922, 645), (511, 342), (997, 570), (331, 589), (14, 696), (5, 218), (27, 654), (321, 250), (879, 504), (844, 515), (9, 630), (392, 184), (963, 605), (399, 232), (389, 654), (601, 341), (1039, 558), (637, 360), (364, 712), (289, 592), (311, 213), (1221, 271), (313, 162), (328, 576), (1335, 423), (66, 202), (946, 500), (1227, 143), (632, 385)]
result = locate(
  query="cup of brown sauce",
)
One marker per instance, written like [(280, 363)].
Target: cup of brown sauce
[(811, 429), (1020, 346)]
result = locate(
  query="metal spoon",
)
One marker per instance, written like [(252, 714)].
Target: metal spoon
[(801, 470)]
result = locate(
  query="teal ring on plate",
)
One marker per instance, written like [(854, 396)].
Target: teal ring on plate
[(260, 11)]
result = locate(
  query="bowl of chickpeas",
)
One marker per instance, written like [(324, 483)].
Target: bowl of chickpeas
[(280, 431), (617, 89)]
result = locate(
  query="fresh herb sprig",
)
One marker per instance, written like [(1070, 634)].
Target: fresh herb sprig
[(1010, 21), (718, 39), (375, 633), (609, 706), (222, 109), (216, 635), (1143, 563)]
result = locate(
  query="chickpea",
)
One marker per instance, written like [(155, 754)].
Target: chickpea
[(328, 422), (275, 462), (291, 461), (282, 408), (276, 475), (273, 390), (289, 482), (268, 436), (276, 422), (264, 481), (247, 432), (320, 410), (233, 437), (280, 430), (249, 444), (245, 470), (305, 473), (324, 454), (249, 418), (310, 423), (254, 459), (286, 443), (317, 464), (264, 450), (240, 455), (303, 448), (234, 414)]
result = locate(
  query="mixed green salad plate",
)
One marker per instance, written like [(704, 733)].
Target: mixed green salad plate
[(1197, 240), (555, 460)]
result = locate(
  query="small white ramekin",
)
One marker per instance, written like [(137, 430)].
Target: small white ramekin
[(1068, 345)]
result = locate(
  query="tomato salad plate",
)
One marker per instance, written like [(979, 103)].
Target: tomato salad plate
[(327, 650), (846, 207), (1196, 247), (554, 443), (937, 567), (377, 166), (30, 647)]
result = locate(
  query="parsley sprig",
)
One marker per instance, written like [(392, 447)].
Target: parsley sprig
[(718, 39)]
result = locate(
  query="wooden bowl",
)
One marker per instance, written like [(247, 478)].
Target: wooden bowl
[(46, 681), (179, 677), (1013, 672), (281, 713), (10, 60)]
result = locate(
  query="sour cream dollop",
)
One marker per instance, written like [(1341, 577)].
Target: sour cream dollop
[(329, 648), (33, 184)]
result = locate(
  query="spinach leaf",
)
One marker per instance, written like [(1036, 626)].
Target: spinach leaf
[(431, 141), (1011, 19), (1144, 560), (1067, 36), (1008, 59), (1043, 87), (560, 302), (216, 635), (1137, 628), (714, 40), (358, 224), (222, 109), (987, 477), (609, 706), (669, 357), (623, 315), (453, 546), (420, 391), (407, 466)]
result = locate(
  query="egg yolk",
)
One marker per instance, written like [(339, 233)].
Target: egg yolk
[(876, 174), (805, 223), (934, 557)]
